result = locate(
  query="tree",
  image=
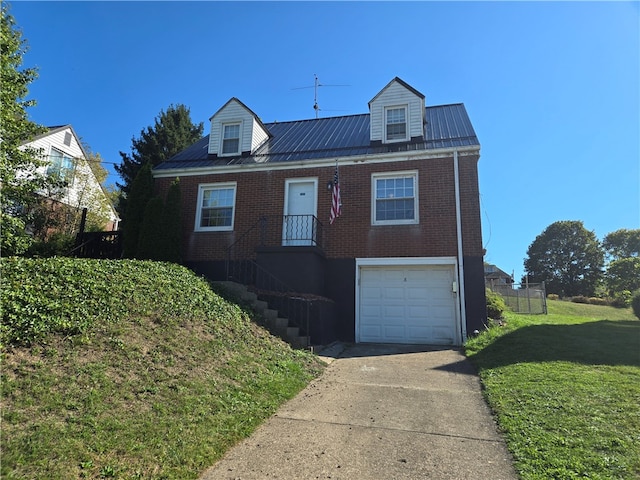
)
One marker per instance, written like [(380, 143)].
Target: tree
[(623, 243), (172, 132), (19, 175), (161, 230), (172, 223), (623, 275), (94, 161), (623, 272), (567, 257), (152, 236), (141, 193)]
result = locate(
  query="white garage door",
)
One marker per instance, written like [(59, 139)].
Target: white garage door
[(407, 304)]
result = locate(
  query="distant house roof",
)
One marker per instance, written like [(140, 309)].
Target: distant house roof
[(491, 271), (448, 126), (55, 129)]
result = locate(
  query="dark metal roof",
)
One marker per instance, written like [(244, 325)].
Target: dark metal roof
[(448, 126)]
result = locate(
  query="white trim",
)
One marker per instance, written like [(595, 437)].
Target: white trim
[(391, 157), (215, 186), (406, 261), (463, 304), (230, 123), (385, 124), (287, 184), (416, 211)]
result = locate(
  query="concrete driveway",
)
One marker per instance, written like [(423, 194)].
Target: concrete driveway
[(379, 412)]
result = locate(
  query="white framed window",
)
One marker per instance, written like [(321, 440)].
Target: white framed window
[(61, 166), (395, 123), (216, 207), (394, 198), (230, 139)]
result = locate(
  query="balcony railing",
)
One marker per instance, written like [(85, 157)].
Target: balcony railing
[(274, 231)]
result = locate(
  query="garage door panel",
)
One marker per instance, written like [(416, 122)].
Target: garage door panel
[(419, 334), (371, 292), (371, 332), (393, 311), (417, 293), (394, 333), (409, 304), (394, 293)]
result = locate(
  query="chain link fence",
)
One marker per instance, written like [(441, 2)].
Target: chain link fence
[(523, 298)]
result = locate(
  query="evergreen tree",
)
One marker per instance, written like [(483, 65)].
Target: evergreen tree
[(567, 257), (19, 177), (152, 237), (141, 193), (160, 232), (172, 132), (172, 224)]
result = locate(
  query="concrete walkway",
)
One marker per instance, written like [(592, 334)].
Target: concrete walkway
[(379, 412)]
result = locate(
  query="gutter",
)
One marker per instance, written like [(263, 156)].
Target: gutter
[(388, 157), (463, 304)]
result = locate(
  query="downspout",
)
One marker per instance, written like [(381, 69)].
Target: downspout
[(463, 304)]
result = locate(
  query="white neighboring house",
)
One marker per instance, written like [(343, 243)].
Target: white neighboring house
[(66, 157)]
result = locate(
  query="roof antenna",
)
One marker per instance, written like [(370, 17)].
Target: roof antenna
[(317, 84)]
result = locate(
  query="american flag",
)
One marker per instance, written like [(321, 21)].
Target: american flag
[(336, 203)]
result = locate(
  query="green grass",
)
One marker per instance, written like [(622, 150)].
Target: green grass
[(157, 386), (565, 388)]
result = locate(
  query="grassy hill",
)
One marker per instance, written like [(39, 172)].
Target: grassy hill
[(565, 388), (128, 369)]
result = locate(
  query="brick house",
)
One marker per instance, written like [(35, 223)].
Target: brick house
[(403, 263)]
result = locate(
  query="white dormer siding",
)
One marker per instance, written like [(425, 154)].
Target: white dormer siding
[(234, 113), (389, 106), (64, 155)]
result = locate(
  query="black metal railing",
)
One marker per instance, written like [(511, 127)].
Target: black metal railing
[(290, 231), (98, 245), (272, 231)]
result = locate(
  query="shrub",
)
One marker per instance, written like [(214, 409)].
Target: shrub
[(553, 296), (67, 296), (580, 299), (495, 305), (621, 299), (598, 301), (635, 304), (59, 244)]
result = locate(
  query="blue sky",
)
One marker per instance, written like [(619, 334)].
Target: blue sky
[(552, 89)]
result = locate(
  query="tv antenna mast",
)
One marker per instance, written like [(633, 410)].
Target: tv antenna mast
[(315, 86)]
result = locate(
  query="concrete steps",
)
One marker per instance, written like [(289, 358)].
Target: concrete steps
[(280, 326)]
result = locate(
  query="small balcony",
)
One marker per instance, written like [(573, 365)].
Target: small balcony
[(290, 231)]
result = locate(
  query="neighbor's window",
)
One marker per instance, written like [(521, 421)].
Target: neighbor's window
[(61, 166), (231, 139), (216, 205), (395, 198), (396, 123)]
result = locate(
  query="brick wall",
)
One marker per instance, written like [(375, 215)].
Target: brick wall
[(351, 235)]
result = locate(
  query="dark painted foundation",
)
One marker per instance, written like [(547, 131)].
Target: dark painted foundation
[(331, 285)]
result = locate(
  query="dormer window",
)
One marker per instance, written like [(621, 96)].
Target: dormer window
[(396, 124), (236, 130), (397, 114), (231, 139)]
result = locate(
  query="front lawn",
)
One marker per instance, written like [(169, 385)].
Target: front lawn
[(130, 370), (565, 388)]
